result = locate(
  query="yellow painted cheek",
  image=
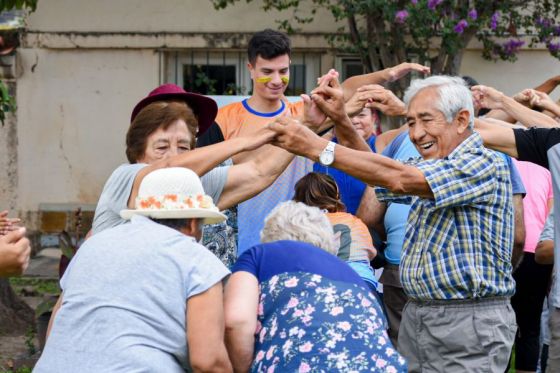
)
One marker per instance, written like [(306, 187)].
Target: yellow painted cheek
[(266, 79)]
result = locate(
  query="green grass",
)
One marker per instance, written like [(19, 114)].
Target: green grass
[(41, 286), (19, 370)]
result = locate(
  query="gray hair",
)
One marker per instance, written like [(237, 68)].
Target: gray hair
[(454, 95), (296, 221)]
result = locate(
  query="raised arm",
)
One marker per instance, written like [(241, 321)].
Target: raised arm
[(549, 85), (390, 74), (247, 179), (330, 99), (543, 101), (371, 168), (491, 98), (496, 136), (203, 159)]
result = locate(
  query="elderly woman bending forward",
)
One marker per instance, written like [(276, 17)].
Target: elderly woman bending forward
[(291, 305)]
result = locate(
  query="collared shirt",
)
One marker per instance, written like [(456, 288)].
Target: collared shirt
[(458, 244)]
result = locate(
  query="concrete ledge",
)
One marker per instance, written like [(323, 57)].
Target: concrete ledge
[(157, 40)]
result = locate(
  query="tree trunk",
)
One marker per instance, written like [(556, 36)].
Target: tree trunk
[(15, 315)]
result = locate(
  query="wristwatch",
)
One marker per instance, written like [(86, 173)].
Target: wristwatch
[(326, 158)]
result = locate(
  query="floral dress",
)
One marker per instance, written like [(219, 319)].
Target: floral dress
[(311, 322)]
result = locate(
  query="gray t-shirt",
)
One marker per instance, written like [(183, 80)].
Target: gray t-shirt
[(116, 192), (124, 301)]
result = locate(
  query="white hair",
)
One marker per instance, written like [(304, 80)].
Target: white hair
[(296, 221), (454, 95)]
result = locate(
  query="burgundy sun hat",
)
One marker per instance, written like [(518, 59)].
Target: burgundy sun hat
[(204, 107)]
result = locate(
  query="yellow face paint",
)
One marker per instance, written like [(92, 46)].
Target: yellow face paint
[(263, 79), (267, 79)]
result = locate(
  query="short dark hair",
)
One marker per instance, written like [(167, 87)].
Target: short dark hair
[(319, 190), (159, 114), (471, 82), (268, 44)]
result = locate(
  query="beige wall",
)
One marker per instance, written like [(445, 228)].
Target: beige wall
[(531, 68), (73, 112), (196, 16)]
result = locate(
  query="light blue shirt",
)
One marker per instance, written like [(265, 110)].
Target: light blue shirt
[(124, 301)]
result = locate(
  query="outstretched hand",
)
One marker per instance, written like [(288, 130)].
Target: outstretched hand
[(487, 97), (397, 72), (329, 97), (291, 135), (261, 137), (540, 99), (326, 79), (524, 97), (7, 224), (382, 99), (14, 253), (313, 116)]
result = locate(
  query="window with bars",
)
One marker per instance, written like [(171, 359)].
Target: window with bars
[(225, 73), (350, 66)]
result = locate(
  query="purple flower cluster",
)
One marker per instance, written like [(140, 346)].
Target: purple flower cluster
[(414, 2), (494, 20), (460, 26), (543, 22), (556, 30), (512, 46), (401, 16), (432, 4), (553, 47), (473, 14)]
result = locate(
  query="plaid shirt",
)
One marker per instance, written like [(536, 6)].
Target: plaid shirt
[(458, 245)]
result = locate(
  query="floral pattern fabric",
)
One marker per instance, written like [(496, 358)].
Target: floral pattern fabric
[(221, 238), (309, 323)]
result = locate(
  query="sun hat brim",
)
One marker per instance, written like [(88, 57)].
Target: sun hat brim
[(209, 216), (204, 107)]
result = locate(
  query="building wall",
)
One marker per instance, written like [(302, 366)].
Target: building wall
[(73, 111), (195, 16), (532, 68)]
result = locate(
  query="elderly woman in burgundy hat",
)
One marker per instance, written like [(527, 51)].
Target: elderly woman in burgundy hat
[(162, 133)]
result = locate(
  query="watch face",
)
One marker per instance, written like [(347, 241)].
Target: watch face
[(326, 158)]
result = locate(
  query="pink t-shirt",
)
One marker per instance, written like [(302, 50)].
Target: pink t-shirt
[(538, 184)]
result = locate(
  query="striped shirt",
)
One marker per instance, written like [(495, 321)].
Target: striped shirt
[(458, 244)]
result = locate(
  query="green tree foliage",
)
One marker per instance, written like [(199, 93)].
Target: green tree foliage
[(18, 4), (387, 32), (7, 102)]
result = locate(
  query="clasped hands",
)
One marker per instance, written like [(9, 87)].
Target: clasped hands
[(327, 100)]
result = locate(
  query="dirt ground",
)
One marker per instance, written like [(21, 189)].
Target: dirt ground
[(12, 351), (40, 278)]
